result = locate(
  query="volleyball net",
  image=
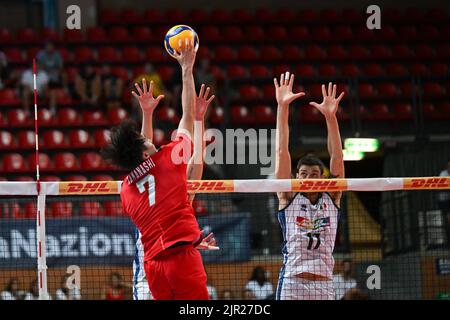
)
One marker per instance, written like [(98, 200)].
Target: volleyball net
[(392, 237)]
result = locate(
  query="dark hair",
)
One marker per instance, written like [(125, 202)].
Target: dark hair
[(255, 273), (126, 146), (311, 160), (10, 284)]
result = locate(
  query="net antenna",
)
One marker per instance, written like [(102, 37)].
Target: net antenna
[(40, 215)]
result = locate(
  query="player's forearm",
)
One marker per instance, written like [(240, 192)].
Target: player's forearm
[(147, 124), (283, 158), (188, 98), (335, 147), (195, 166)]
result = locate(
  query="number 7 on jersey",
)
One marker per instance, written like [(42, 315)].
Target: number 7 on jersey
[(151, 188)]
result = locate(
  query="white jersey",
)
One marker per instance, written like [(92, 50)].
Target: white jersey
[(141, 290), (309, 233)]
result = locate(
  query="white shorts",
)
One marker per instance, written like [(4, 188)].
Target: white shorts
[(141, 291), (294, 288)]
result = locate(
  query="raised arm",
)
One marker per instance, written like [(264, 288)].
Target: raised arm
[(328, 108), (195, 165), (148, 105), (284, 96), (186, 58)]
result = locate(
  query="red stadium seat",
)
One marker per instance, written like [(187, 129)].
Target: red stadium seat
[(315, 91), (314, 52), (65, 161), (388, 90), (366, 90), (380, 52), (54, 139), (321, 32), (8, 98), (83, 55), (406, 89), (108, 54), (413, 14), (101, 137), (117, 115), (224, 54), (141, 34), (337, 52), (80, 139), (155, 54), (217, 73), (76, 178), (351, 70), (63, 98), (300, 33), (407, 32), (380, 112), (94, 118), (328, 70), (249, 92), (396, 69), (236, 72), (91, 209), (220, 15), (373, 70), (27, 36), (216, 116), (424, 51), (166, 73), (109, 16), (28, 211), (386, 33), (91, 161), (403, 111), (443, 51), (292, 53), (241, 15), (167, 114), (277, 33), (119, 34), (102, 177), (419, 69), (159, 137), (436, 14), (362, 33), (270, 53), (24, 178), (131, 55), (66, 54), (32, 53), (343, 33), (13, 162), (439, 69), (264, 15), (433, 89), (130, 16), (198, 15), (211, 33), (73, 36), (402, 52), (428, 32), (18, 118), (113, 208), (264, 114), (27, 139), (329, 15), (120, 72), (51, 179), (304, 70), (96, 34), (307, 15), (247, 53), (49, 34), (260, 71), (310, 114), (174, 15), (278, 69), (153, 15), (7, 140), (358, 52), (45, 118), (444, 108), (240, 115), (60, 209), (269, 91), (68, 117), (429, 110), (254, 33), (234, 33), (285, 15), (5, 36)]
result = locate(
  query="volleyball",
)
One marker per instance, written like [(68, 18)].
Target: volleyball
[(176, 33)]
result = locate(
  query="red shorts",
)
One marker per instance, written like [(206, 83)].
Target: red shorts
[(177, 274)]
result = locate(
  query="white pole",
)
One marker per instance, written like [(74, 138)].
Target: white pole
[(41, 249)]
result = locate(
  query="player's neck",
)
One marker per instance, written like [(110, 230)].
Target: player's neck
[(312, 197)]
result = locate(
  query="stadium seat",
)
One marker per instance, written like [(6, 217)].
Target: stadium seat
[(443, 51), (198, 15), (402, 52), (386, 33), (174, 15), (224, 53), (304, 70), (7, 140), (291, 53), (63, 97), (54, 139), (433, 89), (235, 71), (96, 35), (65, 161), (315, 91), (270, 53), (211, 33), (14, 55), (436, 15), (66, 54), (91, 209), (73, 36), (220, 15), (8, 98), (388, 90), (60, 209), (366, 90), (241, 15), (406, 89), (216, 116), (90, 161), (27, 36), (315, 52), (51, 179), (102, 177), (101, 137), (76, 178), (413, 14), (380, 112), (307, 15), (159, 137), (119, 34), (321, 32), (444, 109), (247, 53), (328, 70), (428, 32), (429, 110), (83, 55), (407, 32), (109, 16), (217, 73), (68, 117), (26, 139), (13, 162), (254, 33), (343, 33), (350, 70), (131, 55), (300, 33), (28, 211), (80, 139), (165, 113), (18, 118), (373, 70), (277, 33), (141, 34), (5, 36), (423, 51), (153, 15), (418, 69), (130, 16), (264, 114), (358, 52), (94, 118), (310, 114), (391, 14), (45, 118), (380, 52), (440, 69), (120, 72), (269, 91), (403, 111), (155, 54), (285, 15), (49, 34), (337, 52), (113, 208), (240, 115), (32, 53), (260, 71), (233, 34), (117, 115), (264, 15), (396, 69), (108, 55), (249, 92), (166, 73)]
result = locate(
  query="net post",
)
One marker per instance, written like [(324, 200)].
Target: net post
[(41, 248)]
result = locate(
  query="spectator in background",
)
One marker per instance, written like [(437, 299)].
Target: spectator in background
[(42, 86), (64, 293), (33, 294), (227, 295), (112, 87), (247, 295), (116, 289), (12, 291), (259, 285), (52, 63), (88, 86), (345, 281), (211, 290)]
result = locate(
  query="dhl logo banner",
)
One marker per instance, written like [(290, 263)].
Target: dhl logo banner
[(210, 186), (319, 185), (104, 187), (426, 183)]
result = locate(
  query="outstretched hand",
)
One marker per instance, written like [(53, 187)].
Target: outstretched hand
[(330, 103), (202, 102), (145, 97), (283, 91), (188, 51), (208, 243)]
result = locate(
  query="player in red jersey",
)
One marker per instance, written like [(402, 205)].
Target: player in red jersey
[(155, 196)]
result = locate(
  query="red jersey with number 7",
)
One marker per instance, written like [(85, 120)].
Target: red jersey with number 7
[(155, 196)]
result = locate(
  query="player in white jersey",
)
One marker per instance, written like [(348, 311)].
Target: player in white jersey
[(141, 289), (308, 220)]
